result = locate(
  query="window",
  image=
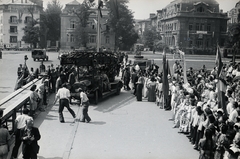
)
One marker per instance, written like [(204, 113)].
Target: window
[(208, 27), (68, 39), (200, 9), (201, 27), (175, 26), (190, 43), (92, 39), (13, 19), (107, 40), (13, 39), (199, 43), (72, 38), (190, 27), (197, 26), (207, 43), (107, 28), (72, 24), (13, 29), (27, 19)]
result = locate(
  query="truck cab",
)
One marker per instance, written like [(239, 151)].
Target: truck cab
[(38, 54)]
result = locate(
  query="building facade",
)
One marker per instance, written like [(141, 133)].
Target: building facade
[(69, 25), (195, 26), (14, 16), (233, 13)]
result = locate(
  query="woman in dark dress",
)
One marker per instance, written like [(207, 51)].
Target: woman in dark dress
[(140, 83), (152, 90)]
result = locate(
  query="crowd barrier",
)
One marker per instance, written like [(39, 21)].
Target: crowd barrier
[(14, 103)]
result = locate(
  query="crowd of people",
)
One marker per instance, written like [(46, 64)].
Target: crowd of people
[(212, 127)]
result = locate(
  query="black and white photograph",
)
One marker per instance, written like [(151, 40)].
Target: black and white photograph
[(119, 79)]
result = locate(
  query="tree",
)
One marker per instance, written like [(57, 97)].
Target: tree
[(31, 34), (81, 31), (122, 23), (233, 34), (32, 30), (150, 35), (51, 21)]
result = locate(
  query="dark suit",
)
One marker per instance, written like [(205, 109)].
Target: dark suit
[(30, 148)]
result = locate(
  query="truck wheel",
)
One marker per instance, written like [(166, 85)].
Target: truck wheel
[(47, 59), (118, 91), (34, 59), (96, 97)]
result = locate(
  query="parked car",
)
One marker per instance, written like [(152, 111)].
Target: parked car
[(38, 54)]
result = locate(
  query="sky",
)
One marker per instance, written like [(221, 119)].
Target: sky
[(143, 8)]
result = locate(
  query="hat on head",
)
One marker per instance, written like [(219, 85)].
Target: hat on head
[(237, 125), (199, 104), (199, 76), (220, 111)]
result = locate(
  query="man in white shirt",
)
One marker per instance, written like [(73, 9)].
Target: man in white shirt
[(85, 105), (64, 95), (20, 123)]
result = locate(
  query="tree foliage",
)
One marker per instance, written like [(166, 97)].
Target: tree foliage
[(122, 23), (51, 20), (233, 34), (31, 34), (82, 12), (32, 30), (150, 35)]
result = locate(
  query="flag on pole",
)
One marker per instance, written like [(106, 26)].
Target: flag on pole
[(100, 5), (169, 71), (165, 80), (222, 87), (184, 66), (218, 62), (95, 21)]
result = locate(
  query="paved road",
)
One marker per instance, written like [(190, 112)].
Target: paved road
[(8, 68), (11, 60), (121, 128)]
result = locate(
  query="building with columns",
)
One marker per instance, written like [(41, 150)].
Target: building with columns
[(14, 16), (69, 24), (195, 26)]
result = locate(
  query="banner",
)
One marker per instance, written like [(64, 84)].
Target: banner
[(222, 87), (165, 80), (184, 66), (218, 62)]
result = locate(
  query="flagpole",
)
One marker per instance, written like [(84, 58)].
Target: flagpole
[(98, 30)]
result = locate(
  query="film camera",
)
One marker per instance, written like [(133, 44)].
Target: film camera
[(25, 58)]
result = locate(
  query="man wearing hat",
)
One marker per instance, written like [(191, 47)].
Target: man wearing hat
[(64, 95)]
